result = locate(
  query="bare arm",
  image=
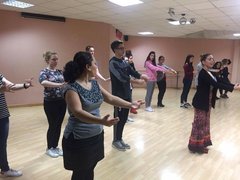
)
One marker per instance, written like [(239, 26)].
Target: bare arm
[(75, 106), (13, 87), (116, 101), (100, 76), (47, 83)]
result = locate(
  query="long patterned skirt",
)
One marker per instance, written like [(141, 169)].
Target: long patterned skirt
[(200, 135)]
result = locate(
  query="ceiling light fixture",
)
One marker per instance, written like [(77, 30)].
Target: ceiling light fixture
[(18, 4), (145, 33), (236, 34), (126, 2), (182, 21), (176, 23)]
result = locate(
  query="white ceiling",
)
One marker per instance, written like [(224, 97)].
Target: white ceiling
[(217, 19)]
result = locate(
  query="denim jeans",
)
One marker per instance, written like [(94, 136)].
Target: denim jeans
[(4, 129)]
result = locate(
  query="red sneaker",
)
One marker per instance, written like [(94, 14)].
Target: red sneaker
[(133, 110)]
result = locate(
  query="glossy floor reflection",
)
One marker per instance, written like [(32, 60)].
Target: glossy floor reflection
[(158, 144)]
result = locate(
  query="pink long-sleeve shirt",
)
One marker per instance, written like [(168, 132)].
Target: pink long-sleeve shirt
[(151, 70)]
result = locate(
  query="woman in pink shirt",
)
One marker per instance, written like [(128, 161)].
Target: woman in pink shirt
[(151, 71)]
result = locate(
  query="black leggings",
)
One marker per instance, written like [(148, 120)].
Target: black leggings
[(86, 174), (55, 112), (162, 89)]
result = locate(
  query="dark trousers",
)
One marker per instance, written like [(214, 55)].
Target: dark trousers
[(186, 88), (4, 129), (87, 174), (161, 91), (122, 113), (221, 91), (55, 112)]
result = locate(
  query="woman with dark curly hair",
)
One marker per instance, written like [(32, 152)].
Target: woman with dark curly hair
[(83, 137)]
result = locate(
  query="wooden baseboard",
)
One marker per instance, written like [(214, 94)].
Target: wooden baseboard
[(25, 105)]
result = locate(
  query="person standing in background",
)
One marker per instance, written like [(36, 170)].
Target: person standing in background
[(120, 73), (129, 59), (161, 80), (7, 86), (54, 104), (224, 76), (90, 49), (216, 70), (151, 71), (187, 80)]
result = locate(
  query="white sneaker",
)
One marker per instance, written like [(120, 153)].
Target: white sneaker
[(183, 105), (149, 109), (12, 173), (59, 151), (130, 119), (52, 153)]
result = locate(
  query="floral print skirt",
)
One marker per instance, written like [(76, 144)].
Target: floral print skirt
[(200, 135)]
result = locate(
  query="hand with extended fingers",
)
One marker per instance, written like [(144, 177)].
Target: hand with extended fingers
[(137, 104), (28, 83), (237, 86), (109, 121), (6, 88)]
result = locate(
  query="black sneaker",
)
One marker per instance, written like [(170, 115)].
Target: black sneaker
[(118, 145), (125, 145)]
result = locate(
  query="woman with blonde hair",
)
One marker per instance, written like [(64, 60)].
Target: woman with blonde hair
[(54, 104)]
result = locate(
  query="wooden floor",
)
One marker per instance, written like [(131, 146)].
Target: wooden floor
[(158, 140)]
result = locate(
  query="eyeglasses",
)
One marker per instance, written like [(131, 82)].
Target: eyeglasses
[(210, 58)]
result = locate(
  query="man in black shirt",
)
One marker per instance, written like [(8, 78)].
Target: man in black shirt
[(120, 72)]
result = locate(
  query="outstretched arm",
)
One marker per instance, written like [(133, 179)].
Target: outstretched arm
[(101, 77), (75, 107), (116, 101), (9, 86)]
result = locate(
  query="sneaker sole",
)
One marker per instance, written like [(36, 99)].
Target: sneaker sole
[(52, 156)]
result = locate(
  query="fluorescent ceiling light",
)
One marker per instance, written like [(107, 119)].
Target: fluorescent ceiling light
[(126, 2), (236, 34), (17, 4), (176, 23), (145, 33)]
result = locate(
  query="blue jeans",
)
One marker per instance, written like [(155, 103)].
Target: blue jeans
[(4, 129)]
